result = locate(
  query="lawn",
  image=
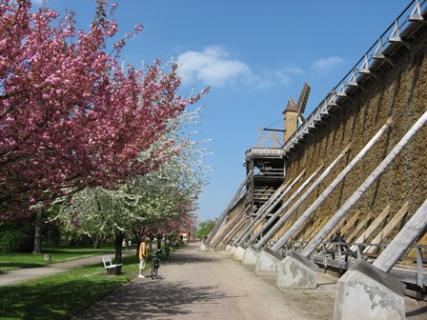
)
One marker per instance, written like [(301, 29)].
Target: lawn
[(29, 260), (62, 295)]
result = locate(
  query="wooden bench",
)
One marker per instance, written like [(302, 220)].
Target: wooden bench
[(112, 269)]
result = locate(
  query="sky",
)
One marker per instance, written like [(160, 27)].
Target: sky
[(254, 55)]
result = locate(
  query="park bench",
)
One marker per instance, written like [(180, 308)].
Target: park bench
[(112, 269)]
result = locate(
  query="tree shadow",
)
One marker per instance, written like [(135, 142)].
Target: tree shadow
[(152, 300), (184, 258)]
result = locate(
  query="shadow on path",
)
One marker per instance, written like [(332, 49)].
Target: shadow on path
[(152, 300), (184, 258)]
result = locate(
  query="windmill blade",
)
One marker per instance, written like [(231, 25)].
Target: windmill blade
[(292, 106), (303, 98)]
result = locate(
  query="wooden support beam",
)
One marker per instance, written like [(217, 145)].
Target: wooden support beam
[(269, 206), (304, 196), (330, 188), (229, 236), (284, 206), (223, 232), (412, 230), (341, 213), (227, 209), (389, 227), (372, 227)]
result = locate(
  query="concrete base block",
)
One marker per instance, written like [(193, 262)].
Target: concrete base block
[(203, 247), (250, 257), (296, 271), (228, 248), (372, 295), (238, 253), (232, 250), (267, 262)]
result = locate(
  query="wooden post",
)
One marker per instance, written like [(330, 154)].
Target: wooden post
[(227, 209), (331, 187), (411, 231), (284, 206), (311, 247), (265, 210)]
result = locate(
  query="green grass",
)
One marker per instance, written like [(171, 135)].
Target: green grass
[(60, 254), (62, 295)]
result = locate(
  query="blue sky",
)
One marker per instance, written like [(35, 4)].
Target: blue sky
[(253, 54)]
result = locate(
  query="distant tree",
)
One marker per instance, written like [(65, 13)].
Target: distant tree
[(204, 228)]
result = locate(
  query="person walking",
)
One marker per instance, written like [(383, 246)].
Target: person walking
[(142, 254)]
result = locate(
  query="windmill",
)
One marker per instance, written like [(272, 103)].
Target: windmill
[(298, 107)]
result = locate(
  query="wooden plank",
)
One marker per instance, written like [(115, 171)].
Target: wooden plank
[(329, 189), (341, 213), (358, 228), (410, 232), (284, 206), (372, 227), (389, 227)]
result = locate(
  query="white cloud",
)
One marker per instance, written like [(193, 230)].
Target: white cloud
[(324, 65), (211, 66), (214, 66)]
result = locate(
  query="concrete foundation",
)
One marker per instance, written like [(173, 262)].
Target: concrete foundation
[(367, 293), (203, 247), (250, 257), (296, 271), (238, 253), (232, 250), (267, 262), (228, 248)]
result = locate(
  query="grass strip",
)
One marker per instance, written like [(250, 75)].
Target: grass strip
[(62, 295)]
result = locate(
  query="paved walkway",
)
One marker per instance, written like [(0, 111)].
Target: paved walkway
[(18, 275)]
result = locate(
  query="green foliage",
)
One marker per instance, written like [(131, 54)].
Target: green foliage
[(204, 228), (16, 236)]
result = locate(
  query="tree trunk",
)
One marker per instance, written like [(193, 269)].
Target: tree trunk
[(96, 242), (37, 231), (118, 246)]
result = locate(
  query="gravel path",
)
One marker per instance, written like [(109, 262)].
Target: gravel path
[(196, 285)]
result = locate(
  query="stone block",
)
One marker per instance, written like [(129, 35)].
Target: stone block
[(238, 253), (203, 247), (228, 248), (250, 257), (367, 293), (296, 271), (267, 262)]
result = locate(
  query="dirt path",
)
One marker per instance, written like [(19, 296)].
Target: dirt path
[(19, 275), (205, 286)]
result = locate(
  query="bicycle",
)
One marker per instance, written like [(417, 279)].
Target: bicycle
[(155, 264)]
